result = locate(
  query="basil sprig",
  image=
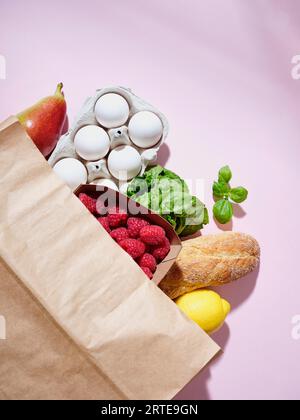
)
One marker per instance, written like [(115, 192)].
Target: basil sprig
[(224, 195)]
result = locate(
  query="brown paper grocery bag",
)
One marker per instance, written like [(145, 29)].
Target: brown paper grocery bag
[(76, 304), (37, 359)]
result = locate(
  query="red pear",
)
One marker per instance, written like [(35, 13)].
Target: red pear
[(44, 121)]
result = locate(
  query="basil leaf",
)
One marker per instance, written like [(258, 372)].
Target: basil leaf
[(225, 174), (223, 211), (238, 194), (220, 189)]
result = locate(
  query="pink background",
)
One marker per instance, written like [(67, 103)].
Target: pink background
[(221, 72)]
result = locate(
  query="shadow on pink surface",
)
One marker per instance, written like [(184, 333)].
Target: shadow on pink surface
[(238, 211), (198, 389), (163, 155), (238, 292)]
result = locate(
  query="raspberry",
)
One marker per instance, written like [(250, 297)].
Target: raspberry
[(148, 272), (89, 202), (135, 224), (147, 260), (133, 247), (160, 252), (148, 249), (119, 234), (152, 235), (117, 217), (104, 223)]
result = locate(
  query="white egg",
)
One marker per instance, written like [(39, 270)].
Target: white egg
[(145, 129), (106, 183), (72, 171), (112, 110), (91, 142), (124, 162)]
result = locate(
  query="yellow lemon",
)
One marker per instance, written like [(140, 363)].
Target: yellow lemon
[(206, 308)]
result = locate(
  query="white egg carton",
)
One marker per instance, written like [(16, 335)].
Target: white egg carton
[(98, 170)]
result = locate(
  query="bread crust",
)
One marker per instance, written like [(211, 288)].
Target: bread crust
[(211, 260)]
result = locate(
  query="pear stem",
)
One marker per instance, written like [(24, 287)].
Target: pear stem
[(59, 89)]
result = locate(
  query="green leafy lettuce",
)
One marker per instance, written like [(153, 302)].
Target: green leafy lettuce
[(164, 192)]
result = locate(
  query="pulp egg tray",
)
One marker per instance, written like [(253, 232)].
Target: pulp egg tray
[(98, 171)]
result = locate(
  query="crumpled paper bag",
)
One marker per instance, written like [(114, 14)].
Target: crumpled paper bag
[(78, 299)]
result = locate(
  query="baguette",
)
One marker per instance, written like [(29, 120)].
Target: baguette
[(211, 260)]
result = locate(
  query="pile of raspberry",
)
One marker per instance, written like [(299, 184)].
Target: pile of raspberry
[(147, 244)]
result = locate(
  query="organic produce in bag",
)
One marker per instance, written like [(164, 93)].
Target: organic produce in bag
[(138, 341)]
